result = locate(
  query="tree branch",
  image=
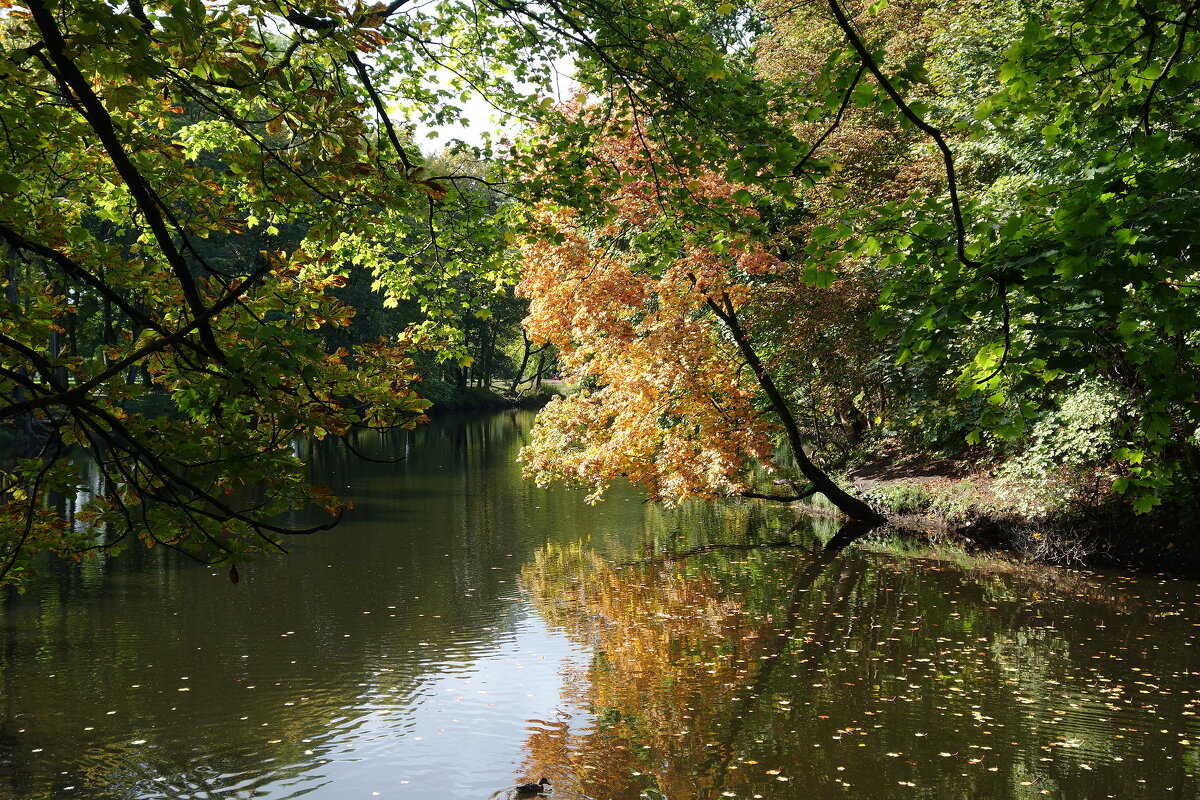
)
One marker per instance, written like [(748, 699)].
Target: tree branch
[(376, 101), (846, 503), (939, 139), (72, 395), (101, 123), (1183, 32), (798, 170)]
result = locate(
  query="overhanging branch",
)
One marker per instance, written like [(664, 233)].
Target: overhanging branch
[(916, 119)]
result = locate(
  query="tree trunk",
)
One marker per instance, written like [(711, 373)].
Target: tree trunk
[(853, 423), (541, 371), (486, 349), (24, 421), (846, 503), (526, 352)]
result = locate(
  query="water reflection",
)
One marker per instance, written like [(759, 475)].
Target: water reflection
[(778, 672), (464, 629), (370, 660)]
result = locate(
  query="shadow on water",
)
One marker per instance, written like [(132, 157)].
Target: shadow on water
[(848, 534)]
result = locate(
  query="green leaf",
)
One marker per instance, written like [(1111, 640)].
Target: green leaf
[(1144, 503)]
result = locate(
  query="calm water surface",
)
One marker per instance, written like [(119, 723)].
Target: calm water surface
[(463, 629)]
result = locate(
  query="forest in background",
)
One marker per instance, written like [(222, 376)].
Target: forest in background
[(769, 242)]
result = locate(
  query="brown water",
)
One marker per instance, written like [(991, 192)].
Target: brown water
[(464, 629)]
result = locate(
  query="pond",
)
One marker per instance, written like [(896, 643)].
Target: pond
[(463, 630)]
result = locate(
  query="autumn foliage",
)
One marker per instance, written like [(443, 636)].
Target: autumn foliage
[(666, 400)]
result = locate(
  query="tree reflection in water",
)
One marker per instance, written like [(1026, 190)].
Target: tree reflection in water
[(778, 670)]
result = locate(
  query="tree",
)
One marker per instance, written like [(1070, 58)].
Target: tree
[(645, 310), (134, 132), (158, 125), (1050, 252), (1027, 236)]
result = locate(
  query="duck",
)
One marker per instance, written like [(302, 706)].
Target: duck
[(541, 787)]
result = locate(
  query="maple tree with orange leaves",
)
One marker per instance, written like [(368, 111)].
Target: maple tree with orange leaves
[(643, 307)]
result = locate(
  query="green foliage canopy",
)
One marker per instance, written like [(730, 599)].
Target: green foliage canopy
[(201, 179)]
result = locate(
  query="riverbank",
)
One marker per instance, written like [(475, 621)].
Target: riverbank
[(447, 398), (942, 501)]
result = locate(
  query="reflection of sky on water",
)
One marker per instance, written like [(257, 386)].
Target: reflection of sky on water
[(462, 732), (396, 647)]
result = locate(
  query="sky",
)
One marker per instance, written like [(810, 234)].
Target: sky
[(482, 117)]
